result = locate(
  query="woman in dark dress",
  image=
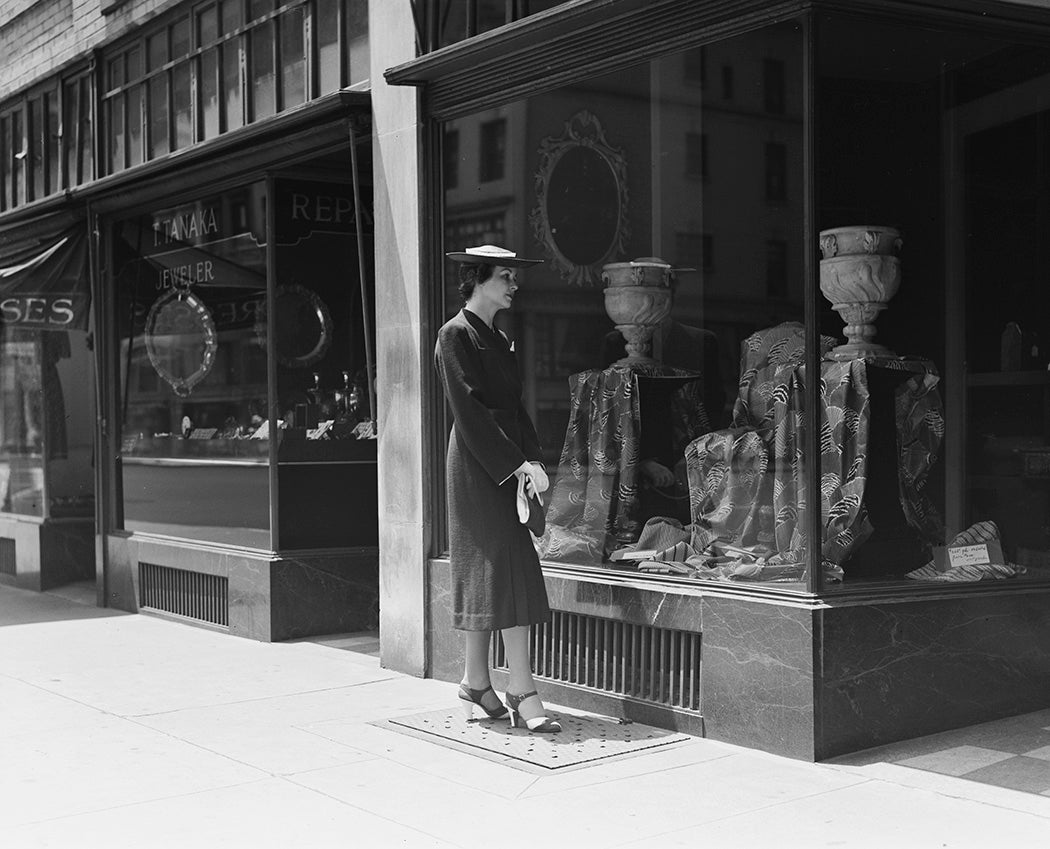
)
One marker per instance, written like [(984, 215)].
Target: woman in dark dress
[(493, 452)]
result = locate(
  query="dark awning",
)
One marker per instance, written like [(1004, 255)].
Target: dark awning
[(44, 280)]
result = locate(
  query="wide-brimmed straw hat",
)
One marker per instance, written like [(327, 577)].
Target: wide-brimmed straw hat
[(491, 255)]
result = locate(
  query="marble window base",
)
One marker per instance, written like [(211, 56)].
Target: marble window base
[(808, 679)]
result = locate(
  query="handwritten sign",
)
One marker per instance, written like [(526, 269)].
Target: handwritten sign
[(969, 555), (976, 554)]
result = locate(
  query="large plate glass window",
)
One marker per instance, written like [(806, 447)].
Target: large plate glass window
[(326, 457), (191, 287), (933, 202), (46, 378), (660, 345)]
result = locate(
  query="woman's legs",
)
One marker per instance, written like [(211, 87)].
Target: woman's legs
[(476, 665), (516, 644)]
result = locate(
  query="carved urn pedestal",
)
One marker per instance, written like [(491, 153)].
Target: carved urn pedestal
[(859, 274), (638, 299)]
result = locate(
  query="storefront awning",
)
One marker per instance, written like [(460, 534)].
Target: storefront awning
[(44, 282)]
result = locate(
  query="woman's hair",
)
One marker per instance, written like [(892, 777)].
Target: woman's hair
[(470, 274)]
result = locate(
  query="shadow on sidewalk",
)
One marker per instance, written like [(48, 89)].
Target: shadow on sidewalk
[(25, 607), (1013, 752)]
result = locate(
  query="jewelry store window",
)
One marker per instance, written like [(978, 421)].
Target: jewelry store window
[(239, 406), (660, 345), (932, 203)]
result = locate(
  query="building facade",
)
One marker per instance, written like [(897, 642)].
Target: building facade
[(218, 220), (798, 172), (187, 256)]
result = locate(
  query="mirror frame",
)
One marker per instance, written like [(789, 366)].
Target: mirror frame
[(582, 130)]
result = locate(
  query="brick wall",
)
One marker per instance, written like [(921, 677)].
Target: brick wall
[(39, 36)]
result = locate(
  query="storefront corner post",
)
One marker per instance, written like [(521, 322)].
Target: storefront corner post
[(400, 357)]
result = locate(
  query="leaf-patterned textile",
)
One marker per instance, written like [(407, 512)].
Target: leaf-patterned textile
[(733, 488), (594, 505)]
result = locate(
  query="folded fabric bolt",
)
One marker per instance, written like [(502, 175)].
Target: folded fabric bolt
[(661, 532), (981, 532)]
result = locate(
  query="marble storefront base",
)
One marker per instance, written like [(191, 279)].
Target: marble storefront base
[(899, 670), (809, 678), (269, 597), (813, 681), (44, 554)]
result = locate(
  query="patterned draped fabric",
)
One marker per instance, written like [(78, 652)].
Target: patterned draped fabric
[(594, 505), (736, 487)]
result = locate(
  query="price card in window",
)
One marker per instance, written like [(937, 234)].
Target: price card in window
[(979, 554), (969, 555)]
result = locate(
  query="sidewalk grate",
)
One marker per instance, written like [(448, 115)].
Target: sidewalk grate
[(583, 739)]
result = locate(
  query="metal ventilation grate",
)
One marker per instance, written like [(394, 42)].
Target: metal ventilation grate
[(655, 665), (8, 557), (190, 594)]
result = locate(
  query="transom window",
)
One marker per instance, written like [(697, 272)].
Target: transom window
[(45, 141), (224, 64)]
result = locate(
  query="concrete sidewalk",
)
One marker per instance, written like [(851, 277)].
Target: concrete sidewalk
[(124, 730)]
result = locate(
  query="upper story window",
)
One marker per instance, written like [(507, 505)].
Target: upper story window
[(444, 22), (776, 171), (696, 154), (493, 161), (773, 82), (45, 140), (451, 159), (727, 82), (777, 268), (224, 64), (695, 249), (694, 66)]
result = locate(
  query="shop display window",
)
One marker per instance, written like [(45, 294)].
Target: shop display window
[(47, 423), (941, 136), (669, 209), (47, 409), (22, 439), (667, 388), (223, 433), (191, 290), (326, 458)]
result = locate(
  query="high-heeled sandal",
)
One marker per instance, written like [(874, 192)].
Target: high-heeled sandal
[(539, 724), (471, 697)]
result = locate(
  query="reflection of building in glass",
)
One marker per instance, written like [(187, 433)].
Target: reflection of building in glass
[(707, 172)]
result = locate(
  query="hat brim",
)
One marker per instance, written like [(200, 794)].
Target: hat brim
[(479, 259)]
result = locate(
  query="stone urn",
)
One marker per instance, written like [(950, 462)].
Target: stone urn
[(859, 273), (638, 299)]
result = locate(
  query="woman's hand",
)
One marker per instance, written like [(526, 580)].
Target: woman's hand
[(536, 480), (539, 476)]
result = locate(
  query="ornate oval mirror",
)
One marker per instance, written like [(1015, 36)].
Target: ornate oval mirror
[(581, 192)]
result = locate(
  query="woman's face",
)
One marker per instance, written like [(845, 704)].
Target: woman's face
[(499, 289)]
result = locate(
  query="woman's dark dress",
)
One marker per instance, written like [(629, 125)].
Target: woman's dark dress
[(496, 577)]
